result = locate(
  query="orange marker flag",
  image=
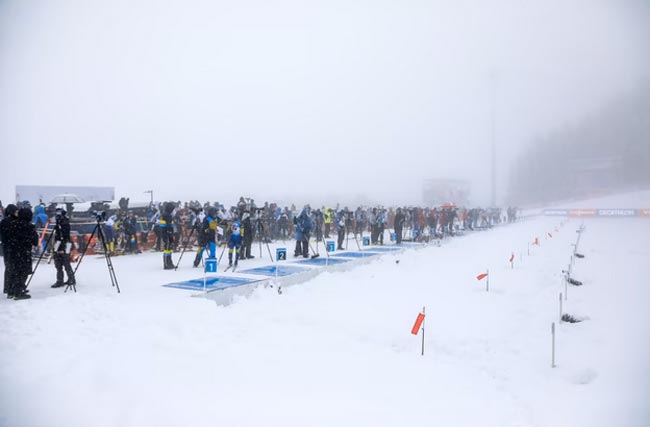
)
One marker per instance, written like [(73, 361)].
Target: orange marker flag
[(418, 323), (536, 241), (40, 240), (481, 276), (512, 257)]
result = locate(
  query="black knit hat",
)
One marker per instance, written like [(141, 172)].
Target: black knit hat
[(25, 214), (11, 209)]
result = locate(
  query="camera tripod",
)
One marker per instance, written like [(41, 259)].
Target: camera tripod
[(107, 255), (44, 250), (262, 235)]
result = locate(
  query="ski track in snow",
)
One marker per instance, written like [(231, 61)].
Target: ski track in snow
[(337, 349)]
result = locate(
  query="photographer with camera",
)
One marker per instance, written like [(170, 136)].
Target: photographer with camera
[(62, 248), (248, 233)]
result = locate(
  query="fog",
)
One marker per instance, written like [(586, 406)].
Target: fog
[(306, 101)]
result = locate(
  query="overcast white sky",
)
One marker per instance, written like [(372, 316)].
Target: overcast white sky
[(317, 99)]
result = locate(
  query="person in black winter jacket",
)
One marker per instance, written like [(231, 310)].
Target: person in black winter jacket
[(339, 221), (304, 226), (11, 212), (167, 233), (248, 233), (22, 237), (130, 234), (399, 225), (62, 248)]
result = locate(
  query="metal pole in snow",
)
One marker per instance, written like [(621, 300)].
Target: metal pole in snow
[(566, 287), (553, 345), (560, 306), (487, 282), (425, 319)]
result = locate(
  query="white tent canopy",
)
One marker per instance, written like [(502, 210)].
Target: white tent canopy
[(67, 198)]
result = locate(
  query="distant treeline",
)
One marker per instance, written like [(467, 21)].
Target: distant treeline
[(606, 153)]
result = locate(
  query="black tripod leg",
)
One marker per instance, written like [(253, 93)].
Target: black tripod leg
[(86, 248), (357, 241), (109, 262), (39, 259)]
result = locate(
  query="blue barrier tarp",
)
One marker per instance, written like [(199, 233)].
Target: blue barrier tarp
[(211, 283), (269, 270)]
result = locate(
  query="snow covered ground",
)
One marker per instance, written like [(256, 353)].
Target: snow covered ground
[(337, 350)]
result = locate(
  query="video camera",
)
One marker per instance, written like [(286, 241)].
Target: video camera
[(100, 215)]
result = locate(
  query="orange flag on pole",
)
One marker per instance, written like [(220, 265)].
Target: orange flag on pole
[(512, 257), (536, 241), (418, 323), (481, 276)]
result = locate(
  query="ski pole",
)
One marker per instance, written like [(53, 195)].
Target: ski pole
[(185, 247)]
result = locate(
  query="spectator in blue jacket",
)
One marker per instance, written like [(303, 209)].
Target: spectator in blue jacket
[(40, 218)]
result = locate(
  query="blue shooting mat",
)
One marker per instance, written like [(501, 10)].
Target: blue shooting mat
[(363, 254), (211, 283), (322, 261), (410, 244), (385, 248), (269, 270)]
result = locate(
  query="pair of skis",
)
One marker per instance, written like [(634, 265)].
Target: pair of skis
[(233, 266)]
